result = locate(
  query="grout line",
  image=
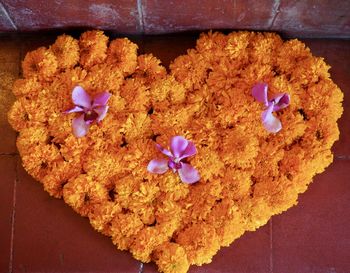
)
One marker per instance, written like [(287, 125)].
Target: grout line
[(141, 268), (141, 17), (342, 157), (8, 16), (271, 247), (13, 217), (9, 154)]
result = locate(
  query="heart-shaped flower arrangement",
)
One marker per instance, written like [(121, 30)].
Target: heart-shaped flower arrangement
[(250, 120)]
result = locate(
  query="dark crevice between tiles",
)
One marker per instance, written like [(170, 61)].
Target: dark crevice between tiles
[(13, 217), (141, 268), (342, 157), (271, 246)]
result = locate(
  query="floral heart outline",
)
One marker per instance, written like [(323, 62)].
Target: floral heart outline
[(247, 174)]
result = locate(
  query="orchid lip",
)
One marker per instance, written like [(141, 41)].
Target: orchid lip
[(90, 115), (175, 165)]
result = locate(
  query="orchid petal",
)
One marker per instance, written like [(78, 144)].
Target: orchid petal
[(76, 109), (178, 146), (101, 99), (189, 151), (188, 174), (164, 151), (281, 101), (158, 166), (259, 92), (81, 98), (80, 128), (101, 111), (270, 122)]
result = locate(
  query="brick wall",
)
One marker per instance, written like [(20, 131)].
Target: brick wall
[(303, 18)]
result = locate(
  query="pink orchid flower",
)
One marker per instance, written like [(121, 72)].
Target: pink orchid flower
[(180, 148), (278, 102), (91, 110)]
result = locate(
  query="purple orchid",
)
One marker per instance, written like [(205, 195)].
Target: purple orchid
[(278, 102), (180, 148), (92, 110)]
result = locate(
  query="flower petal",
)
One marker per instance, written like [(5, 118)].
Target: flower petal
[(101, 99), (189, 151), (76, 109), (158, 166), (80, 128), (281, 101), (101, 111), (188, 174), (270, 122), (178, 145), (259, 92), (164, 151), (80, 97)]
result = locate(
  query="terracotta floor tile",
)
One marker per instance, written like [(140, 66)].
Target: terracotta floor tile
[(315, 235), (8, 73), (337, 54), (248, 254), (10, 49), (7, 182), (63, 241)]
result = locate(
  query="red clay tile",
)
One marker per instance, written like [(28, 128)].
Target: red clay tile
[(313, 18), (315, 235), (7, 182), (175, 16), (248, 254), (121, 15), (10, 48), (337, 54), (63, 241)]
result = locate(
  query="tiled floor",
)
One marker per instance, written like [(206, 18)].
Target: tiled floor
[(42, 234)]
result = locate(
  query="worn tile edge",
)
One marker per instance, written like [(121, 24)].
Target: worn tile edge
[(13, 216), (141, 18), (12, 23)]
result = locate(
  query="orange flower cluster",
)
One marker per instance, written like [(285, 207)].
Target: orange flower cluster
[(247, 174)]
